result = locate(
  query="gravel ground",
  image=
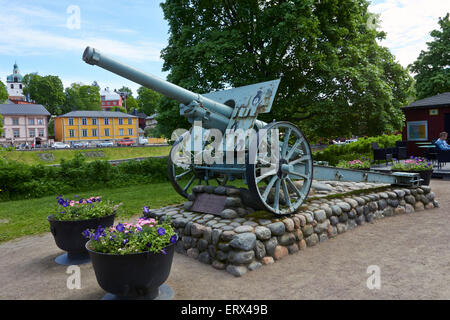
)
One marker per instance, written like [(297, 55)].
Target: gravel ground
[(412, 252)]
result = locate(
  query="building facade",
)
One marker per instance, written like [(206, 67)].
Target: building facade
[(110, 100), (95, 126), (24, 124), (425, 119)]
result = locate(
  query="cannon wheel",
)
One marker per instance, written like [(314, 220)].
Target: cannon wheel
[(278, 185), (184, 176)]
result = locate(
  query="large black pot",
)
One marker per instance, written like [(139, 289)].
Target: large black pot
[(133, 276), (68, 237)]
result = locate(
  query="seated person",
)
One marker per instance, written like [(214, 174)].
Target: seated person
[(441, 143)]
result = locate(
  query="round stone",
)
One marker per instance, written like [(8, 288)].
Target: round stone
[(254, 265), (228, 214), (236, 271), (344, 206), (260, 250), (277, 228), (241, 257), (320, 215), (242, 229), (289, 224), (286, 239), (262, 233), (270, 245), (244, 241)]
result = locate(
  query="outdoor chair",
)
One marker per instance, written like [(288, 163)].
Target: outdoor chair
[(443, 156), (401, 150), (382, 154)]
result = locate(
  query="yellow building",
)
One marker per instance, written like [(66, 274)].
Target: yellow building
[(96, 126)]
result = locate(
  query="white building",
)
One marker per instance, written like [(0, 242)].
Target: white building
[(14, 84)]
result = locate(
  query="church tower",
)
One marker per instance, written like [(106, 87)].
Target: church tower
[(14, 85)]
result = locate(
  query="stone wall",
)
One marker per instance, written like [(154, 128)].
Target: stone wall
[(246, 243)]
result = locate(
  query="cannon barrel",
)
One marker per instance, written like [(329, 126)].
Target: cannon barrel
[(94, 57)]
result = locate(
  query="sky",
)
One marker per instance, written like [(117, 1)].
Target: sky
[(49, 36)]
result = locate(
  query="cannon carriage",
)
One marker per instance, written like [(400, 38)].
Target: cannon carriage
[(273, 159)]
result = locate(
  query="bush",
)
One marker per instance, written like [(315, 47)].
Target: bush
[(22, 181), (355, 150)]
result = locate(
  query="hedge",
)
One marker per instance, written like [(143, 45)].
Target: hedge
[(22, 181)]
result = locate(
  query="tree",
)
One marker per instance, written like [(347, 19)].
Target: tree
[(335, 78), (126, 90), (433, 65), (148, 100), (3, 93), (82, 97), (47, 90), (131, 103)]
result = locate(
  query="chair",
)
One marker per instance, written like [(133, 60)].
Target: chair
[(382, 154), (443, 156), (401, 150)]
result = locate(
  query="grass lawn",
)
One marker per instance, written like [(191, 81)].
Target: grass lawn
[(29, 217), (31, 157)]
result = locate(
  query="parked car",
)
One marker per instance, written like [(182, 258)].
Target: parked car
[(81, 144), (106, 143), (143, 140), (125, 142), (60, 145)]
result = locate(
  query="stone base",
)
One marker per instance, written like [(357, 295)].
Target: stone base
[(243, 244)]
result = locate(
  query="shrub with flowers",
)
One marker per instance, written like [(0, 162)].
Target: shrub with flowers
[(81, 209), (413, 164), (124, 238), (362, 163)]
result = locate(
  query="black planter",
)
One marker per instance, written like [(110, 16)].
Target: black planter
[(133, 276), (68, 237)]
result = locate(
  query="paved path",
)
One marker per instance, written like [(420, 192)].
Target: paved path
[(412, 251)]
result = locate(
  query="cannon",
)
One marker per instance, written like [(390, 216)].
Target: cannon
[(274, 160)]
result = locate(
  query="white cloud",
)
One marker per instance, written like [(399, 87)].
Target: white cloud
[(408, 24), (37, 31)]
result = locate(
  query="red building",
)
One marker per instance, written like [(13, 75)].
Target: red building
[(110, 100), (425, 119)]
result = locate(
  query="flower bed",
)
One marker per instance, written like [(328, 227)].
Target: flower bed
[(359, 164)]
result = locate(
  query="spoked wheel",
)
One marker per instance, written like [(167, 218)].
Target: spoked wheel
[(183, 174), (279, 174)]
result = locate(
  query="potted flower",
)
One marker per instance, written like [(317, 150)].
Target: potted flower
[(416, 165), (71, 218), (132, 261), (363, 164)]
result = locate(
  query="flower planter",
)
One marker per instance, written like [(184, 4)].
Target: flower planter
[(68, 237), (133, 276)]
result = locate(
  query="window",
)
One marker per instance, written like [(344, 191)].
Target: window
[(15, 121), (84, 121), (130, 132), (417, 130), (94, 132), (41, 132), (31, 121), (106, 132), (84, 133), (71, 133), (32, 133), (120, 120), (40, 121), (121, 132), (70, 121), (106, 120), (12, 86), (130, 120), (16, 133), (20, 86), (94, 121)]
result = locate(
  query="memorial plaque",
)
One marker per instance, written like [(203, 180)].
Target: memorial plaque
[(209, 203), (46, 156)]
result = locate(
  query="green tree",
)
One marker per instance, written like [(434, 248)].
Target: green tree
[(82, 97), (335, 78), (148, 100), (433, 65), (126, 90), (47, 90), (3, 93), (130, 103)]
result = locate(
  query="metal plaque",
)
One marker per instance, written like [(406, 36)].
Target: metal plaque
[(209, 203)]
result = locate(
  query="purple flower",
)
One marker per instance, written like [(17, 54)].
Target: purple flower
[(161, 231), (120, 227), (146, 210), (88, 201), (173, 239), (164, 251), (125, 241), (75, 196), (65, 204), (86, 233), (149, 245), (81, 200)]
